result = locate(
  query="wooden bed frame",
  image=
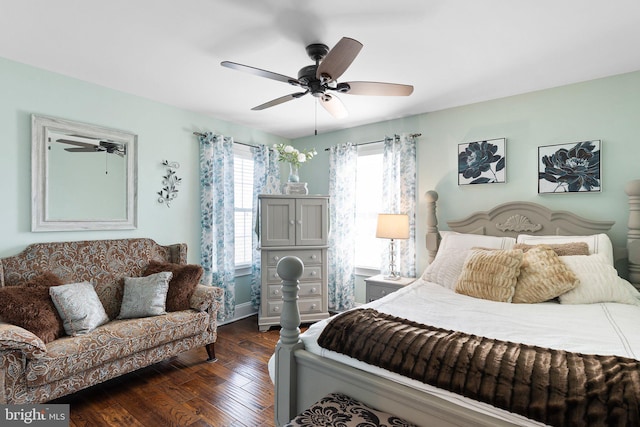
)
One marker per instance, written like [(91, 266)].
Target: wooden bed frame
[(302, 378)]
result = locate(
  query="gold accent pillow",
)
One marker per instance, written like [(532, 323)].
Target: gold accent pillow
[(561, 249), (543, 276), (490, 274)]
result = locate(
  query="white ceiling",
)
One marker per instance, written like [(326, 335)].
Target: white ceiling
[(454, 52)]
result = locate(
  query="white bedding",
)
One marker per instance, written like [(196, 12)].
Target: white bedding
[(604, 329)]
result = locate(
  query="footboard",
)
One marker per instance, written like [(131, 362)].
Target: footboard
[(302, 378)]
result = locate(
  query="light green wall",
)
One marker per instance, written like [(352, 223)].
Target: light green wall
[(164, 133), (607, 109)]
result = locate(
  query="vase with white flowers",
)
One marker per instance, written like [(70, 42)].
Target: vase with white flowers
[(288, 154)]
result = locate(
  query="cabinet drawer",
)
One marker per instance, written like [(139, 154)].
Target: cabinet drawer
[(309, 289), (310, 305), (375, 292), (309, 273), (307, 305), (274, 292), (308, 256)]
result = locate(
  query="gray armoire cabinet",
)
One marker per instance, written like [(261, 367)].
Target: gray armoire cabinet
[(298, 226)]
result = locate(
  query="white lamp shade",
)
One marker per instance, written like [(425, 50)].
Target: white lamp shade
[(393, 226)]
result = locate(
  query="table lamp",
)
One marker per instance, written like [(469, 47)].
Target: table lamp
[(392, 226)]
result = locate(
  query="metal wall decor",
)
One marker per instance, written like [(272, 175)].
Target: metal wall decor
[(170, 182), (569, 168), (482, 162)]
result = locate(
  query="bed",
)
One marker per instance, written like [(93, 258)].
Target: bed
[(577, 322)]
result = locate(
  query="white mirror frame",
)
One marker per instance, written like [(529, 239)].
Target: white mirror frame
[(40, 221)]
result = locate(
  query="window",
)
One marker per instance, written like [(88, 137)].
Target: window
[(243, 195), (368, 206)]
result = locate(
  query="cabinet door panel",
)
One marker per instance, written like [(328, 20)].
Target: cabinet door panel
[(278, 222), (311, 222)]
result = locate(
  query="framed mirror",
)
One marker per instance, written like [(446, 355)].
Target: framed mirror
[(83, 177)]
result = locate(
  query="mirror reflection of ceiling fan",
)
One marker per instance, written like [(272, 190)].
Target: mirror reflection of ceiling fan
[(321, 78), (84, 144)]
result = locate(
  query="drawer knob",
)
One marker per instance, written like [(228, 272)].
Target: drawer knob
[(275, 275), (314, 256), (276, 291), (276, 258), (299, 222), (314, 273), (291, 222), (313, 290), (313, 306), (276, 308)]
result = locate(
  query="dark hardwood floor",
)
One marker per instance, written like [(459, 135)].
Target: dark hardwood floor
[(186, 391)]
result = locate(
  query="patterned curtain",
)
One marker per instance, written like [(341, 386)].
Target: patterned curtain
[(342, 213), (399, 196), (266, 180), (216, 208)]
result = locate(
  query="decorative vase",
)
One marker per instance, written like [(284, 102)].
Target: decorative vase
[(293, 173)]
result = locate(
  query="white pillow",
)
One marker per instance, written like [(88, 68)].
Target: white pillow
[(145, 296), (599, 282), (79, 307), (598, 243), (453, 251)]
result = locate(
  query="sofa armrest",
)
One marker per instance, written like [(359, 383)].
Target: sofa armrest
[(207, 298), (13, 338)]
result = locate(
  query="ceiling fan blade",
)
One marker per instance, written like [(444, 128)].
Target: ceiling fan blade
[(261, 73), (77, 143), (376, 89), (280, 100), (81, 150), (338, 59), (334, 106)]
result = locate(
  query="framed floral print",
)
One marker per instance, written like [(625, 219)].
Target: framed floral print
[(482, 162), (569, 168)]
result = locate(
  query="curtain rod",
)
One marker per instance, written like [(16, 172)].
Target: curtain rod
[(413, 135), (234, 141)]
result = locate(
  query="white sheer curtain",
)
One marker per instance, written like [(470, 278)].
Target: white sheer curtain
[(399, 196), (342, 213)]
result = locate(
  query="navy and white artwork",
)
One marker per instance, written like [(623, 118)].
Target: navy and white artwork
[(482, 162), (569, 168)]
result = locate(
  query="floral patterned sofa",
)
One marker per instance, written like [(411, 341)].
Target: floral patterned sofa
[(34, 372)]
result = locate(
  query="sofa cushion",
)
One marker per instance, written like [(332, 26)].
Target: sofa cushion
[(145, 296), (79, 306), (30, 307), (117, 339), (185, 279)]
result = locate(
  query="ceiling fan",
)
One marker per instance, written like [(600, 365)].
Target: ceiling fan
[(92, 145), (320, 79)]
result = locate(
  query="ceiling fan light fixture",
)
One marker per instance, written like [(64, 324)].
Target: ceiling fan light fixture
[(343, 87), (322, 76)]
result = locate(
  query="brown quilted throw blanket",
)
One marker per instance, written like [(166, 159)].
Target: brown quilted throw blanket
[(552, 386)]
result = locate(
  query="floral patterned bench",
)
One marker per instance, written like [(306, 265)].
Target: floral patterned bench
[(337, 409)]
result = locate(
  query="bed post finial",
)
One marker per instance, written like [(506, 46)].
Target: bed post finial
[(433, 236), (633, 232), (290, 269)]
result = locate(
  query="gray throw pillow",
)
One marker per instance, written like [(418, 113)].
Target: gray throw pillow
[(145, 296), (79, 307)]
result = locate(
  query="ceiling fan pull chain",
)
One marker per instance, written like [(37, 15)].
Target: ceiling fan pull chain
[(315, 108)]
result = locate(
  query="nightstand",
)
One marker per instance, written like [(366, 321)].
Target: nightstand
[(378, 286)]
